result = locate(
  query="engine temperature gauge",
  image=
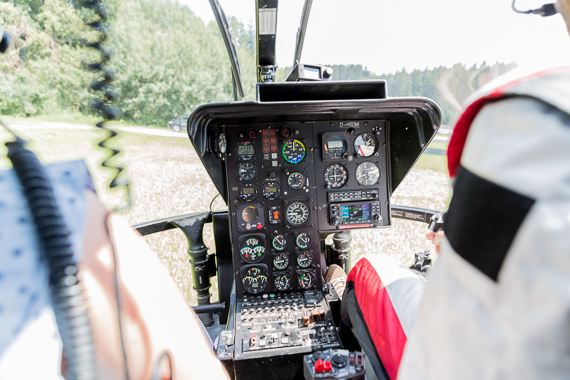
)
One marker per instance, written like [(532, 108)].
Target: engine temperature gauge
[(279, 242), (254, 278), (303, 240), (306, 279), (252, 248)]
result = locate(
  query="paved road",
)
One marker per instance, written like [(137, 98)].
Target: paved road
[(23, 125)]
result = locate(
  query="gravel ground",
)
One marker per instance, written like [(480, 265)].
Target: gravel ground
[(168, 179)]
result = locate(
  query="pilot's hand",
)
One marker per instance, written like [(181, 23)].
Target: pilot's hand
[(435, 239)]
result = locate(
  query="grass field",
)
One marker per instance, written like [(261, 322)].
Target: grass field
[(168, 179)]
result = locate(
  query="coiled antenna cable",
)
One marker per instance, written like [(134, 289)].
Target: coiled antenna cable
[(106, 95)]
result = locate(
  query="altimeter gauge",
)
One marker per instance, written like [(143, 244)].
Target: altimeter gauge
[(305, 259)]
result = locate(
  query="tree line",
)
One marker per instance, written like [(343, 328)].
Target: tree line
[(167, 61)]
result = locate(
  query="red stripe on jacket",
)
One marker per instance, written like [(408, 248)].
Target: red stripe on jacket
[(379, 314), (461, 130)]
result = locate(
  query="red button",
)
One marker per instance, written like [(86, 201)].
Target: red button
[(327, 366), (320, 366), (259, 226)]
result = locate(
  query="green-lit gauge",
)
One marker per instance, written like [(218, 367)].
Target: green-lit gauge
[(365, 144), (247, 171), (306, 279), (303, 240), (305, 259), (279, 242), (293, 151), (254, 280), (336, 176), (297, 213), (296, 180), (367, 173), (281, 261), (283, 282), (252, 250)]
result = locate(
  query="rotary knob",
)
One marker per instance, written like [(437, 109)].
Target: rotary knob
[(339, 361), (336, 221)]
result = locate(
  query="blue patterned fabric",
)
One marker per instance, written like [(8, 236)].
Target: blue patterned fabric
[(23, 278)]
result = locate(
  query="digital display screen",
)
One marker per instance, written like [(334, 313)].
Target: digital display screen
[(356, 213), (246, 150), (270, 189), (312, 72), (335, 144), (248, 190)]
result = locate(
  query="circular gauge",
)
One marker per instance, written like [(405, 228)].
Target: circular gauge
[(250, 214), (271, 190), (254, 280), (222, 145), (247, 171), (336, 147), (335, 176), (248, 192), (296, 180), (283, 282), (365, 144), (306, 280), (293, 151), (297, 213), (252, 250), (367, 173), (303, 240), (305, 259), (279, 242), (281, 261)]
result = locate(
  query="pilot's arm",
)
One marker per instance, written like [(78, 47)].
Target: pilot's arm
[(155, 318)]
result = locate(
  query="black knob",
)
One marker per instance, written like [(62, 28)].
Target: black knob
[(377, 218), (336, 221), (328, 72), (339, 361), (319, 355)]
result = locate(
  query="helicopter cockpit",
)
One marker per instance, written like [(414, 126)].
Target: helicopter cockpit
[(309, 158)]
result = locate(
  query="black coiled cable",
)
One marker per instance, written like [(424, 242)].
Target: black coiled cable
[(106, 94), (66, 293)]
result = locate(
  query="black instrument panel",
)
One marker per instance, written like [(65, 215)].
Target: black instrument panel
[(287, 183)]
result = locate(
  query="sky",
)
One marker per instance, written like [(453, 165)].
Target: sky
[(390, 35)]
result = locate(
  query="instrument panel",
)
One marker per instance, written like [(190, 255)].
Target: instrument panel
[(289, 182)]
